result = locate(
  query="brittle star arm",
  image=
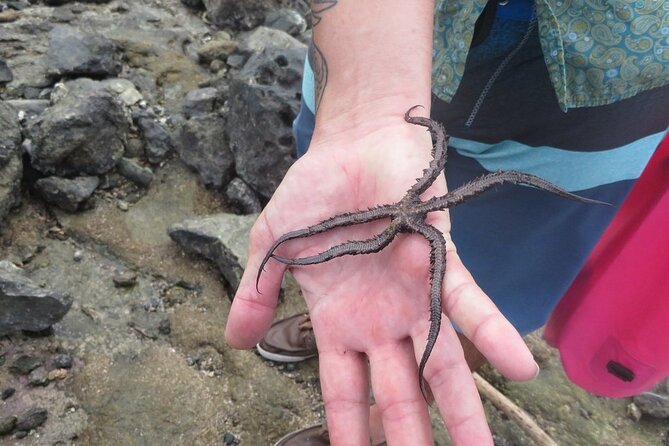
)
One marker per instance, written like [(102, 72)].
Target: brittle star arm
[(354, 247), (438, 151), (482, 184), (337, 221), (437, 273)]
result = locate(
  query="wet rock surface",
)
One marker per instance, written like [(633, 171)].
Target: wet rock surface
[(179, 112)]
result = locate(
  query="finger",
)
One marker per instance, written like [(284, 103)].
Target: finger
[(453, 388), (253, 308), (344, 383), (395, 382), (482, 323)]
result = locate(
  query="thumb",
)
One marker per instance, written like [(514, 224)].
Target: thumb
[(253, 307)]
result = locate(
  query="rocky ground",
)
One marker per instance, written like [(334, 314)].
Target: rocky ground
[(137, 142)]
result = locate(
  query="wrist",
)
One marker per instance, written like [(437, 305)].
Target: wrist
[(358, 120)]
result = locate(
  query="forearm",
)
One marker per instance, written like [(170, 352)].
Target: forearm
[(371, 59)]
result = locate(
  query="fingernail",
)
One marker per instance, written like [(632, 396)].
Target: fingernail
[(538, 370)]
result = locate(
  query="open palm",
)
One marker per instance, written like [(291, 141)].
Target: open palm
[(370, 313)]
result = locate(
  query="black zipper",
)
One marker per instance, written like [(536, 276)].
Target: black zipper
[(498, 71)]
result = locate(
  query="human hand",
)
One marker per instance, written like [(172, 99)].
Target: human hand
[(375, 307)]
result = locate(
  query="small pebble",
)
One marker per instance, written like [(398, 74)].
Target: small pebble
[(158, 110), (9, 15), (229, 438), (121, 7), (133, 171), (235, 60), (7, 393), (122, 205), (78, 255), (7, 424), (165, 327), (57, 374), (25, 364), (31, 419), (38, 377), (20, 434), (125, 279), (175, 296), (62, 361), (216, 65), (633, 412)]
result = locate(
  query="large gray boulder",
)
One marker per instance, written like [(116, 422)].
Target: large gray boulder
[(11, 167), (264, 101), (25, 305), (73, 52), (84, 132), (221, 238), (203, 147), (68, 194)]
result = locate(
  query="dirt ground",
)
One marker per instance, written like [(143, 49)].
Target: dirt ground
[(133, 385)]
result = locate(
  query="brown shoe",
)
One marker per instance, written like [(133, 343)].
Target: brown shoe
[(310, 436), (289, 340)]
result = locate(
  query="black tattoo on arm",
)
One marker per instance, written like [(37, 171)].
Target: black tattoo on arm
[(320, 68), (318, 7), (316, 58)]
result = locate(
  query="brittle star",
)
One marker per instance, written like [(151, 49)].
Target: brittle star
[(408, 216)]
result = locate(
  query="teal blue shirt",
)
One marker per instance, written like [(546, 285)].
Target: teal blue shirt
[(596, 51)]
